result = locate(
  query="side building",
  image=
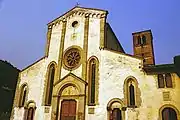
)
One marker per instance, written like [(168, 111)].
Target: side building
[(86, 75)]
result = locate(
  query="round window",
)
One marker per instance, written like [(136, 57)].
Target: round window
[(75, 24), (72, 58)]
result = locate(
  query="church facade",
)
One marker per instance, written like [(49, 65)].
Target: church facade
[(86, 75)]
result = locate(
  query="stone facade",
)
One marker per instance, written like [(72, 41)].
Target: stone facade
[(84, 29)]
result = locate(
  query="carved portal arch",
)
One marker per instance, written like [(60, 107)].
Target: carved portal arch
[(69, 89), (71, 101)]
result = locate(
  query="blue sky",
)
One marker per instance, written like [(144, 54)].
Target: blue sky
[(23, 25)]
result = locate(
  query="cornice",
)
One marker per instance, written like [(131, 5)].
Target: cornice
[(78, 11)]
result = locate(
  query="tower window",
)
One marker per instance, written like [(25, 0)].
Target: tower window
[(164, 80), (139, 40), (143, 40)]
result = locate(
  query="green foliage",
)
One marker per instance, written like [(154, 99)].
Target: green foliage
[(8, 80)]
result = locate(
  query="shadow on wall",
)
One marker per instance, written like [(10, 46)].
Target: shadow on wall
[(177, 64)]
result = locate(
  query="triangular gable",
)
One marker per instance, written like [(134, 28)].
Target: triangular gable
[(80, 9), (74, 76)]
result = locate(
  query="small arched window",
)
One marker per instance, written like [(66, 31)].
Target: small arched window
[(138, 40), (165, 80), (30, 113), (161, 81), (131, 91), (23, 95), (168, 80), (50, 82), (131, 95), (169, 114)]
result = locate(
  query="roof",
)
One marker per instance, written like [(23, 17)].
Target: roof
[(164, 68), (78, 8), (141, 32), (121, 53)]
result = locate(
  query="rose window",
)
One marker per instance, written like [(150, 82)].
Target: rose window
[(72, 58)]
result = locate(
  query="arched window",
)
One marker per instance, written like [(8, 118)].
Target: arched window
[(23, 95), (131, 95), (92, 77), (92, 80), (143, 40), (165, 80), (132, 92), (160, 81), (50, 81), (138, 40), (30, 113), (168, 80), (169, 114)]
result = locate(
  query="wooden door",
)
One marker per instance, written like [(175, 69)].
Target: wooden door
[(68, 110)]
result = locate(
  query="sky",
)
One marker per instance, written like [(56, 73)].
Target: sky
[(23, 25)]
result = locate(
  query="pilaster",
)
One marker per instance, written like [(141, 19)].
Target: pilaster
[(48, 40), (85, 48)]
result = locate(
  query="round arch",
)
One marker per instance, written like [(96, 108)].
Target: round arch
[(168, 106), (113, 101), (21, 95), (115, 105), (30, 103), (67, 85), (131, 80)]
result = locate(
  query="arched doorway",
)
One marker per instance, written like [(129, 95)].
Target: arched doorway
[(70, 103), (115, 109), (30, 108), (70, 92), (30, 113), (116, 114), (169, 114)]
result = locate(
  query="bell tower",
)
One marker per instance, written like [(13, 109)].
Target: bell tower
[(143, 46)]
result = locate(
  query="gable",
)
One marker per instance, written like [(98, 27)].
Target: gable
[(82, 11)]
